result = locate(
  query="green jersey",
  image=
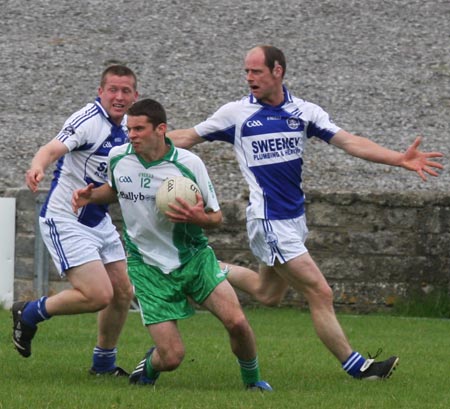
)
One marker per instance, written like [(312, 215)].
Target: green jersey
[(149, 236)]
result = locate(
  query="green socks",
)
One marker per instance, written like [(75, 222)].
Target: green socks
[(250, 371)]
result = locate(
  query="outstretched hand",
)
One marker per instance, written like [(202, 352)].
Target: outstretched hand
[(81, 197), (420, 162)]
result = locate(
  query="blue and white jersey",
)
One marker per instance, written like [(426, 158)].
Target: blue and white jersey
[(269, 143), (89, 134)]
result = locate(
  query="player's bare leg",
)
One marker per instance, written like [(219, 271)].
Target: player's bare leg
[(267, 286), (91, 291), (106, 289), (112, 318), (304, 276), (224, 304), (166, 355), (169, 351)]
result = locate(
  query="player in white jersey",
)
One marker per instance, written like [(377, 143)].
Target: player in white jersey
[(169, 260), (86, 248), (167, 248), (268, 130)]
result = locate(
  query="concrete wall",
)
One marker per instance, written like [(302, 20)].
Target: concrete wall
[(373, 248)]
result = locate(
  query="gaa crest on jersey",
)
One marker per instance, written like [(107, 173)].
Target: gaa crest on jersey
[(125, 179), (68, 131), (293, 123), (271, 239)]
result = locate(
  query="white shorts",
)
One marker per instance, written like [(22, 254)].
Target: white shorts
[(72, 244), (277, 239)]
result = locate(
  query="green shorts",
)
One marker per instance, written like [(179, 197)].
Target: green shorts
[(164, 297)]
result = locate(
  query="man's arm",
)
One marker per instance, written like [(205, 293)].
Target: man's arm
[(44, 157), (412, 159), (185, 138), (103, 194)]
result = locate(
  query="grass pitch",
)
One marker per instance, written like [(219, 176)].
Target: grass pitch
[(302, 372)]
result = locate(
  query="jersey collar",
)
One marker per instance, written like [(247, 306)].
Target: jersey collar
[(170, 156), (98, 103), (287, 98)]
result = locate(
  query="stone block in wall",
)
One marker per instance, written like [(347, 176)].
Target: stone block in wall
[(367, 296), (434, 244), (402, 218), (23, 289), (24, 268), (324, 240), (379, 268), (387, 242), (434, 215), (339, 266), (361, 216), (234, 213), (25, 199), (24, 245), (341, 216), (341, 263), (26, 221), (53, 274), (219, 239)]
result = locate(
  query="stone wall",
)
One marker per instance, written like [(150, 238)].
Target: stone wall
[(373, 248)]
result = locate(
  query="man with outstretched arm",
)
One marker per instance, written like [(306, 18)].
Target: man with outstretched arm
[(268, 130)]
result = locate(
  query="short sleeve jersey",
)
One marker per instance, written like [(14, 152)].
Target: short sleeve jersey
[(149, 236), (89, 134), (269, 142)]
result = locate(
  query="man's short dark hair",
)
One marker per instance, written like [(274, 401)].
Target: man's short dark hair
[(150, 108), (120, 71), (274, 55)]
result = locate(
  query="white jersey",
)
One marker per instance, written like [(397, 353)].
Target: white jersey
[(269, 143), (89, 134), (148, 234)]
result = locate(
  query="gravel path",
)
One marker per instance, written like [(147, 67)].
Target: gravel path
[(381, 69)]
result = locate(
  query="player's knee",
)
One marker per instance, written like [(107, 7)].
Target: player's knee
[(171, 358), (270, 300), (326, 293), (123, 290), (320, 294), (123, 294), (101, 301), (238, 326), (99, 298), (173, 362)]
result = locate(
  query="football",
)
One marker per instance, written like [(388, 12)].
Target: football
[(176, 186)]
